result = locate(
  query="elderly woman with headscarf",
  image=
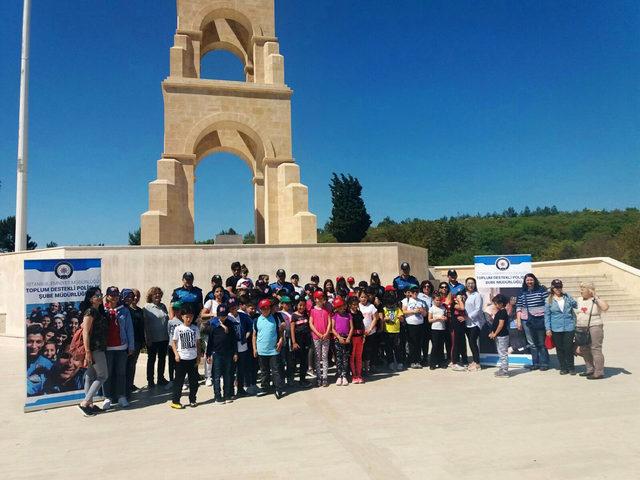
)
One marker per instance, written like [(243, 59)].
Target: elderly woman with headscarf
[(589, 317)]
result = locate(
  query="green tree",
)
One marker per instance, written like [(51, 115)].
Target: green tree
[(349, 220), (52, 245), (629, 243), (135, 237), (8, 236), (249, 238)]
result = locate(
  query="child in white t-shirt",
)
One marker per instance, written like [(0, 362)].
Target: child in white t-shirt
[(437, 318), (171, 326), (185, 345)]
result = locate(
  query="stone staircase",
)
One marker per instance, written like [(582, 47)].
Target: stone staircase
[(623, 304)]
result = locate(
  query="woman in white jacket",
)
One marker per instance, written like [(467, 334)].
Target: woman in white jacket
[(474, 321)]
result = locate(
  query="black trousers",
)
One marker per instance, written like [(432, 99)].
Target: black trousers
[(473, 334), (159, 350), (448, 340), (131, 370), (459, 350), (245, 374), (415, 335), (172, 364), (184, 368), (271, 368), (393, 348), (300, 357), (437, 350), (564, 349), (426, 340), (371, 346)]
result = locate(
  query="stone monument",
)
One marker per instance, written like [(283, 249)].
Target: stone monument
[(251, 119)]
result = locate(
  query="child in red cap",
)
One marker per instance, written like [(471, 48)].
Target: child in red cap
[(342, 329)]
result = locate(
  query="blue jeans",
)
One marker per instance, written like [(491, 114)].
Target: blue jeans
[(223, 368), (535, 340)]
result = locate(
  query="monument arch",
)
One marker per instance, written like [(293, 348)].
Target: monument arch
[(250, 119)]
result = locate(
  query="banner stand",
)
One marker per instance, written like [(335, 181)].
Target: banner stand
[(502, 274), (53, 291)]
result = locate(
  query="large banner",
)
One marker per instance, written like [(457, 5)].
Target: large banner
[(53, 292), (502, 274)]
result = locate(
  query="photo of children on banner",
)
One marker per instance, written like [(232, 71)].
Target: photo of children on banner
[(50, 366)]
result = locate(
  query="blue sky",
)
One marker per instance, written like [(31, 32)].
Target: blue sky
[(438, 107)]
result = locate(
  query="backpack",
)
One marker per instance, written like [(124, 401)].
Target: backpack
[(76, 348)]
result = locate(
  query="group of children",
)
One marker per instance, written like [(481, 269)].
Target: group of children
[(273, 335)]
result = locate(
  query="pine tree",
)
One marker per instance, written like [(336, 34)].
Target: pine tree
[(135, 237), (349, 220), (8, 235)]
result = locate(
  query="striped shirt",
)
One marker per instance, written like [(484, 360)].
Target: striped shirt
[(531, 302)]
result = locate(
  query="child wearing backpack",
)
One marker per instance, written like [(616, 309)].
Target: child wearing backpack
[(267, 343)]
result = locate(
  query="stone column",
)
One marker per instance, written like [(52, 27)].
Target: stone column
[(259, 209)]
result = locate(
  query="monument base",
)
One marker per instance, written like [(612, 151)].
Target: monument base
[(147, 266)]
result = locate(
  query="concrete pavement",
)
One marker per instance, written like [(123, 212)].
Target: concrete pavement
[(415, 425)]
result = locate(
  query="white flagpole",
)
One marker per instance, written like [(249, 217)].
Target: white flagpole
[(23, 135)]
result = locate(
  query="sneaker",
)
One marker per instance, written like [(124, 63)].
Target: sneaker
[(176, 406), (432, 367), (106, 405), (185, 387), (228, 400), (360, 380), (122, 401), (544, 369), (501, 374), (400, 367), (586, 374), (262, 393), (304, 383), (95, 409), (218, 401), (593, 377), (564, 372), (339, 382), (241, 392), (345, 382), (87, 411), (193, 404), (278, 394), (572, 372), (133, 388), (208, 382), (418, 366), (325, 383), (458, 368)]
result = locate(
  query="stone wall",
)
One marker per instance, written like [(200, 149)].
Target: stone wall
[(147, 266)]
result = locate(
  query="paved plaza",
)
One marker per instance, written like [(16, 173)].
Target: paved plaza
[(418, 424)]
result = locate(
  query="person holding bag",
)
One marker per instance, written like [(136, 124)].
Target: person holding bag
[(530, 308), (590, 331), (560, 324)]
